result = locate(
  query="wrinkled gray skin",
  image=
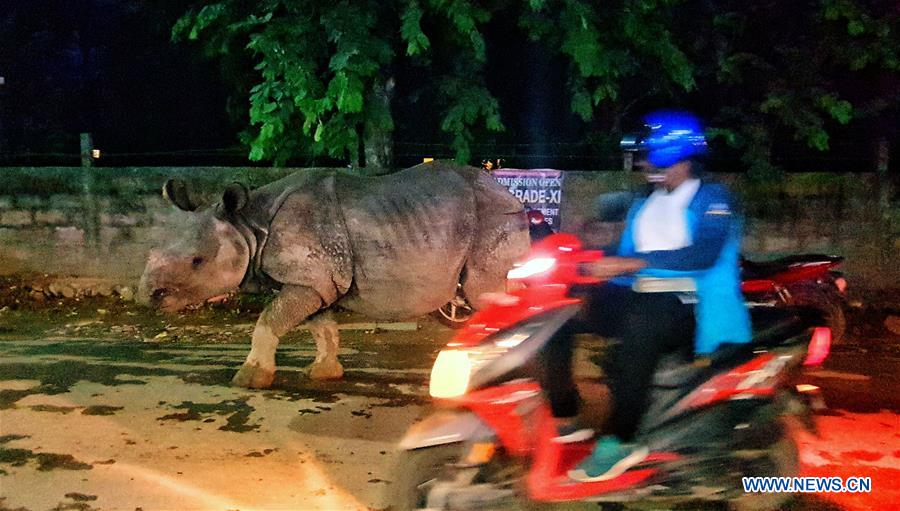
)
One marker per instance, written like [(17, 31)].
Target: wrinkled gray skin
[(389, 247)]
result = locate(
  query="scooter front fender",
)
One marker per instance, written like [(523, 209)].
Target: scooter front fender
[(445, 427)]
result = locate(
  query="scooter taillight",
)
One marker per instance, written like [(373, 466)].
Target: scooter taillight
[(819, 346), (841, 284)]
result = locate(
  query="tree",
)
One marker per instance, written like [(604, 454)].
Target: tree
[(761, 72), (326, 77), (621, 57), (782, 71), (326, 70)]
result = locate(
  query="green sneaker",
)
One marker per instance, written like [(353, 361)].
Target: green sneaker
[(610, 459)]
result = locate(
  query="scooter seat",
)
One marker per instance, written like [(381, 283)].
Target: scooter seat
[(675, 371), (771, 327), (753, 270)]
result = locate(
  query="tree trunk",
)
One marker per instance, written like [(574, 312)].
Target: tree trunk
[(378, 133), (882, 166)]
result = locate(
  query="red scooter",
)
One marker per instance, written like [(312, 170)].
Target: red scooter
[(808, 280), (490, 442)]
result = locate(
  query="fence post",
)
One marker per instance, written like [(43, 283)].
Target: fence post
[(91, 215)]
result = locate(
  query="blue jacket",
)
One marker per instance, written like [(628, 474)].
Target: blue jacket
[(712, 260)]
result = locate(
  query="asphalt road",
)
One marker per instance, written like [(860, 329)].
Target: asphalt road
[(131, 425), (88, 425), (859, 434)]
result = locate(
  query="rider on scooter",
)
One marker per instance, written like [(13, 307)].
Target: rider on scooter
[(685, 232)]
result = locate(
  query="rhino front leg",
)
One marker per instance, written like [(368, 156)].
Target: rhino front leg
[(325, 331), (290, 308)]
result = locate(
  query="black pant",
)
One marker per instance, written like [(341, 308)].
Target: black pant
[(649, 326)]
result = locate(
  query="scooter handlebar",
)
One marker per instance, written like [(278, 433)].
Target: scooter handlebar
[(583, 266)]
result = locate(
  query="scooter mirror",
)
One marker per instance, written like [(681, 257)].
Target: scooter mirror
[(613, 206)]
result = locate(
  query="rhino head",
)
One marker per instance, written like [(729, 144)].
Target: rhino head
[(207, 257)]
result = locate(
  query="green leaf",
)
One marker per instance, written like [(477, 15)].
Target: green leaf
[(181, 26), (494, 123), (340, 59), (206, 17), (581, 105), (818, 140), (478, 45), (605, 91), (832, 11), (838, 109), (346, 93), (582, 43), (320, 128), (729, 135), (411, 29), (266, 132), (772, 102)]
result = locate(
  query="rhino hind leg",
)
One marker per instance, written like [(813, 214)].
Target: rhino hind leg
[(324, 330), (290, 308)]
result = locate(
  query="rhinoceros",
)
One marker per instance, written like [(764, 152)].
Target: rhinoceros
[(389, 247)]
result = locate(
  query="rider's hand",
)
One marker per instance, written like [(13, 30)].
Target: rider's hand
[(612, 266)]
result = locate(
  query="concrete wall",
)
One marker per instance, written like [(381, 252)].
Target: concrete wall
[(855, 215), (50, 224), (46, 225)]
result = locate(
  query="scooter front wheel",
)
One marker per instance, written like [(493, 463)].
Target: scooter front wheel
[(418, 470), (434, 478)]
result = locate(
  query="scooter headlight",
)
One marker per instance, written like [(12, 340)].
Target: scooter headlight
[(531, 268), (450, 374), (456, 369)]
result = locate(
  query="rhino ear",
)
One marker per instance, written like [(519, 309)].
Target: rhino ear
[(235, 197), (178, 193)]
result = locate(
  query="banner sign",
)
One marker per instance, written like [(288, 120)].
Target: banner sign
[(538, 189)]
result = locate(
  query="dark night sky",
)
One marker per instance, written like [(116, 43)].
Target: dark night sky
[(104, 66)]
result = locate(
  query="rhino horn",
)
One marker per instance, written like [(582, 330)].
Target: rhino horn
[(178, 193)]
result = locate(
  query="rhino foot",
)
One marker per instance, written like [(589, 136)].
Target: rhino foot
[(253, 377), (328, 369)]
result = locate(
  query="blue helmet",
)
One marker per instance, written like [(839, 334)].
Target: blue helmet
[(670, 137)]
